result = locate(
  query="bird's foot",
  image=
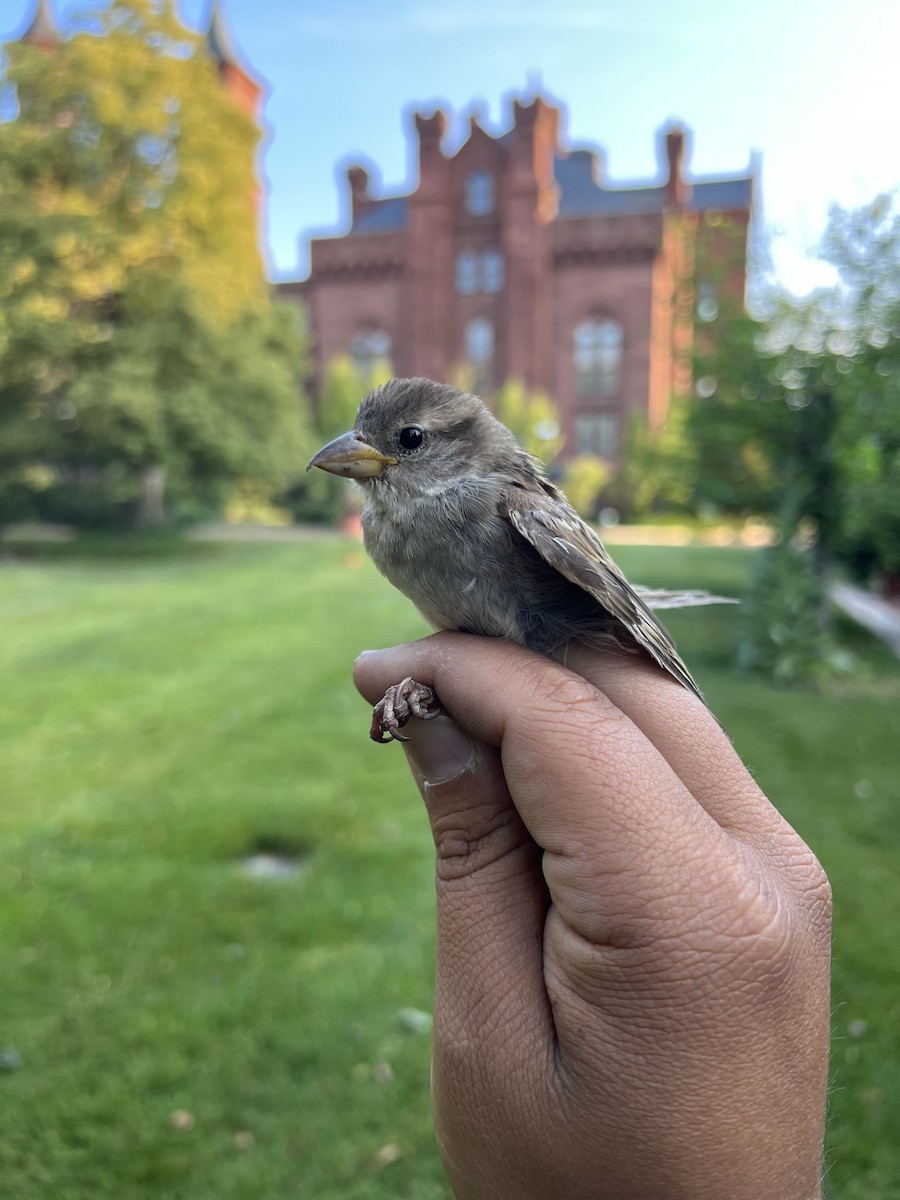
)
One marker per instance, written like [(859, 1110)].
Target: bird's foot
[(404, 700)]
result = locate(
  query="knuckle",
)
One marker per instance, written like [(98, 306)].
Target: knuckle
[(808, 883), (470, 841), (570, 713), (768, 936), (818, 900), (569, 692)]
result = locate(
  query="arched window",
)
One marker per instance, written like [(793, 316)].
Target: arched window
[(479, 193), (370, 346), (598, 357)]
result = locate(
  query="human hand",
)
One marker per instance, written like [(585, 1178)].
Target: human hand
[(632, 980)]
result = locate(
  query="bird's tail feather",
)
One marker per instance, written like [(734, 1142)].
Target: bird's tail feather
[(660, 598)]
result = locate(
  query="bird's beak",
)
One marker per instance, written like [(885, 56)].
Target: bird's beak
[(351, 456)]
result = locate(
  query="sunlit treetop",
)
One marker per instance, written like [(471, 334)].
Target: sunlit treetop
[(123, 136)]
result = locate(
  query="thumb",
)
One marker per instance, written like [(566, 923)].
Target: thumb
[(474, 822), (491, 898)]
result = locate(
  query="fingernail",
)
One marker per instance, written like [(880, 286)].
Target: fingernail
[(439, 749)]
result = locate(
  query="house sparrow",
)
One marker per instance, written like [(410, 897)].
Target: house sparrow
[(463, 521)]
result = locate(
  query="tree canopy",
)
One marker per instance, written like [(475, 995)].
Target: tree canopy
[(136, 330), (798, 414)]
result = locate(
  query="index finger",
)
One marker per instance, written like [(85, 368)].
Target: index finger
[(688, 736)]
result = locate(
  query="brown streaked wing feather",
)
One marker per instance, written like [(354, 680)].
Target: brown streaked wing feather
[(571, 547)]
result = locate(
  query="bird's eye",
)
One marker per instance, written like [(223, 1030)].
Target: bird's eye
[(411, 438)]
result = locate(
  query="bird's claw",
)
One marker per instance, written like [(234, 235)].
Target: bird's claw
[(404, 700)]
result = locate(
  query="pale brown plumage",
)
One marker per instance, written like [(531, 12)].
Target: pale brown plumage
[(462, 520)]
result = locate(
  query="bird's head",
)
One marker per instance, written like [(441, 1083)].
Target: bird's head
[(416, 436)]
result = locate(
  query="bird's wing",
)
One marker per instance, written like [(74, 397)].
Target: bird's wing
[(571, 547)]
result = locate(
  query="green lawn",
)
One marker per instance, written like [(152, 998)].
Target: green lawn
[(163, 715)]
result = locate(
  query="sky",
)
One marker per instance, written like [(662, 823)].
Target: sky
[(808, 85)]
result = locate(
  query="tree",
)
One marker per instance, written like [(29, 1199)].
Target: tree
[(318, 496), (864, 245), (211, 406), (870, 463), (343, 389), (584, 478), (532, 417), (798, 415), (657, 471), (140, 346), (733, 420)]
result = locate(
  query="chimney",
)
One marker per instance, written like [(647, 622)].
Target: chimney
[(534, 149), (358, 179), (431, 131), (676, 190)]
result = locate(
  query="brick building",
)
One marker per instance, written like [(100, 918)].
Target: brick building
[(515, 258)]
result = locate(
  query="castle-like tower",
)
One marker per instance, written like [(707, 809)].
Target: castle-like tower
[(514, 257), (42, 30), (245, 89)]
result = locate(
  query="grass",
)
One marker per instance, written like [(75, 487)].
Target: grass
[(166, 713)]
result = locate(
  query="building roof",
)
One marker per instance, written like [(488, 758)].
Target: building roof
[(42, 28), (382, 216), (727, 194), (581, 196)]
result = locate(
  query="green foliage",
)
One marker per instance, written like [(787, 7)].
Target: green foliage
[(658, 471), (316, 496), (778, 631), (343, 389), (211, 405), (733, 429), (864, 244), (803, 410), (799, 417), (871, 534), (532, 417), (136, 330), (584, 478), (780, 428), (129, 148)]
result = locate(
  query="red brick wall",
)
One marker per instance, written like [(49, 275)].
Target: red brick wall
[(359, 282)]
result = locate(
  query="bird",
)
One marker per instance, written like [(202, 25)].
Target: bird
[(466, 523)]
